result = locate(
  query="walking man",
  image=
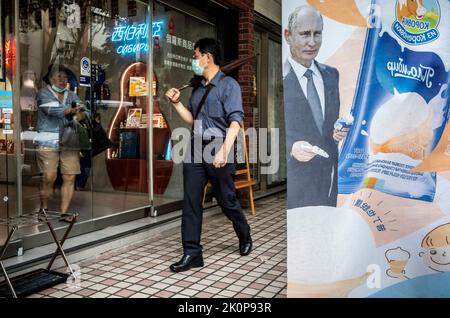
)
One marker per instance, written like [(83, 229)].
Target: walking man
[(215, 112)]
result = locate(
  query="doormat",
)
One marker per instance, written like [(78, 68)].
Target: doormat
[(32, 282)]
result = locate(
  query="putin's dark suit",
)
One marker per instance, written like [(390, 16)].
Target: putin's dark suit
[(311, 183)]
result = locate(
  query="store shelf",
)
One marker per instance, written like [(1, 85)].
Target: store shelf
[(129, 170)]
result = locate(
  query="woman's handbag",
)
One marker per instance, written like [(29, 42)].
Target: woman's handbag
[(98, 136), (73, 136), (100, 140)]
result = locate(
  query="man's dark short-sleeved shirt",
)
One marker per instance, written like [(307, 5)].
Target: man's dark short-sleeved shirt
[(221, 108)]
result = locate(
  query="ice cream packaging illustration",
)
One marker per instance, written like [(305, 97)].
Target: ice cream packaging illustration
[(401, 104)]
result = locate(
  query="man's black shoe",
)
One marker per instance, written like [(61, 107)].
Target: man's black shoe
[(245, 248), (187, 262)]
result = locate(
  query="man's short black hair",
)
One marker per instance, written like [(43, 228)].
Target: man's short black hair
[(212, 46)]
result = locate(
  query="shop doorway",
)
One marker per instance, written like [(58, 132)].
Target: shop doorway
[(269, 101)]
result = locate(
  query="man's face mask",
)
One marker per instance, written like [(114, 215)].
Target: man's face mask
[(196, 68)]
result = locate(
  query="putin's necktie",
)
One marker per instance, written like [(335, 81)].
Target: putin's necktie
[(314, 100)]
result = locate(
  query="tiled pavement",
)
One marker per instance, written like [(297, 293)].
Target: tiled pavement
[(142, 270)]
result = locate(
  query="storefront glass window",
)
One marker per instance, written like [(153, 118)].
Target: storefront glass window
[(120, 53), (53, 38), (172, 65), (8, 124), (102, 50)]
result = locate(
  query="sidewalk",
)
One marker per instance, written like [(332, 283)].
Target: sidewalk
[(141, 270)]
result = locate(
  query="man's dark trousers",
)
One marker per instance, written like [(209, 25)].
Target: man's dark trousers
[(196, 176)]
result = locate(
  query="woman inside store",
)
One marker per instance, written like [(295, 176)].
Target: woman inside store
[(57, 107)]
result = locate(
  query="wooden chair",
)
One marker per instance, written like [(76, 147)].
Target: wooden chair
[(243, 178)]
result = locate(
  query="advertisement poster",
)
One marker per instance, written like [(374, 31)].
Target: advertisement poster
[(368, 208), (6, 99), (138, 87), (134, 118)]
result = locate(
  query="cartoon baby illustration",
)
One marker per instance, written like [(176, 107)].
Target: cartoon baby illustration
[(436, 248), (435, 253), (436, 256)]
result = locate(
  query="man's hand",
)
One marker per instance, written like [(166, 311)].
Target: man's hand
[(220, 160), (221, 157), (173, 95), (340, 134), (302, 151)]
